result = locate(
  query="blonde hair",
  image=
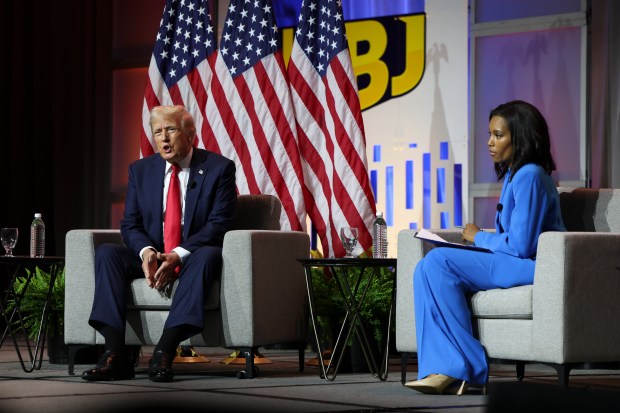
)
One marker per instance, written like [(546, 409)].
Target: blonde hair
[(178, 112)]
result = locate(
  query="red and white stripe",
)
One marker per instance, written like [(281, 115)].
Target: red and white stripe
[(333, 149), (253, 124)]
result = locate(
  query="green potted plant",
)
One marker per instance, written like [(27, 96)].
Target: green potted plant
[(32, 304), (331, 309)]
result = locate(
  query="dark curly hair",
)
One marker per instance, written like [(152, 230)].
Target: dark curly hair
[(529, 136)]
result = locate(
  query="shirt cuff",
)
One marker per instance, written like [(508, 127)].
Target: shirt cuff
[(182, 252), (144, 249)]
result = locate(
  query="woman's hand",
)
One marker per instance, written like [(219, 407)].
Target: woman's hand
[(470, 231)]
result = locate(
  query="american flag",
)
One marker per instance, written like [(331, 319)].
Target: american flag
[(181, 67), (330, 127), (250, 109), (238, 95)]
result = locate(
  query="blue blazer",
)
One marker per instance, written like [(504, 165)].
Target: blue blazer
[(209, 202), (530, 206)]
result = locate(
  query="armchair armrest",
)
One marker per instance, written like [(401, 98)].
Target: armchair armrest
[(410, 251), (576, 297), (263, 294), (80, 247)]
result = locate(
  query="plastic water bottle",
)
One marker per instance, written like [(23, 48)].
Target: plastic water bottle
[(379, 237), (37, 237)]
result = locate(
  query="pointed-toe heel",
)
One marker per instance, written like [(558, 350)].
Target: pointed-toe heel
[(433, 384), (457, 388), (462, 389)]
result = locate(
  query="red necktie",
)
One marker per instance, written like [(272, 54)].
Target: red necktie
[(172, 224)]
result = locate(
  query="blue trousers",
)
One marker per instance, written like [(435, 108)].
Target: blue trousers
[(442, 282), (116, 266)]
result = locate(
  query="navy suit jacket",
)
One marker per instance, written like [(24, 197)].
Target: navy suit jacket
[(210, 202)]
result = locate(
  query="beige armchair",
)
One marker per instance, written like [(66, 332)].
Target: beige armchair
[(567, 319), (260, 299)]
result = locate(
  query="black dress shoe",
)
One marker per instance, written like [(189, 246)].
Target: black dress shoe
[(111, 366), (160, 367)]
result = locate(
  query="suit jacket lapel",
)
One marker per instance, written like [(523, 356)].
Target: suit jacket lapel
[(197, 172), (156, 188)]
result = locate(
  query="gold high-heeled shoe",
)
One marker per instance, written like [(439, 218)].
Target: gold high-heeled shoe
[(457, 388), (432, 384)]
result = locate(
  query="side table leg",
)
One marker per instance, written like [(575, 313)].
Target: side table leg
[(36, 358), (322, 370), (16, 312), (354, 306), (40, 343), (386, 356)]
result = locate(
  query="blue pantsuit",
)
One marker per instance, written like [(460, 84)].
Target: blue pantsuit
[(444, 278)]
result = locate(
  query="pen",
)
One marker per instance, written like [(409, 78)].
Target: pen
[(462, 227)]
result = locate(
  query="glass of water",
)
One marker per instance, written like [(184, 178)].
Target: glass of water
[(348, 236), (9, 239)]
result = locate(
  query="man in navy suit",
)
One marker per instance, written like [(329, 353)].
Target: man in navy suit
[(208, 197)]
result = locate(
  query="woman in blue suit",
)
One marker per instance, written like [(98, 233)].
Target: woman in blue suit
[(204, 212), (449, 356)]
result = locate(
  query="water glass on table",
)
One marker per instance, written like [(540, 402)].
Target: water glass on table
[(9, 239), (348, 236)]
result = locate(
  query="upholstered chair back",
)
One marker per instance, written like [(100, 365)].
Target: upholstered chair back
[(257, 212), (588, 209)]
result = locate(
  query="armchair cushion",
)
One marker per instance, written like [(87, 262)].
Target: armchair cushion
[(503, 303)]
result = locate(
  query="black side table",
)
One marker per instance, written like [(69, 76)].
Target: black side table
[(15, 267), (354, 298)]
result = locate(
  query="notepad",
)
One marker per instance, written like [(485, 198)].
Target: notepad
[(433, 238)]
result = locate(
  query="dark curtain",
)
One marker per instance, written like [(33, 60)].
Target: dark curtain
[(605, 95), (56, 88)]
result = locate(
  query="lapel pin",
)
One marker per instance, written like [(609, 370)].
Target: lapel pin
[(200, 171)]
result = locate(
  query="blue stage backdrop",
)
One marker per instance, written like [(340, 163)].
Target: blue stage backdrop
[(287, 11)]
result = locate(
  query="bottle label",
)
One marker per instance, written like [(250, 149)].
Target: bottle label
[(37, 241), (379, 238)]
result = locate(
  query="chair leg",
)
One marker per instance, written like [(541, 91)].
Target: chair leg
[(404, 358), (71, 354), (563, 372), (135, 354), (249, 363), (251, 370), (520, 370), (71, 358), (302, 356)]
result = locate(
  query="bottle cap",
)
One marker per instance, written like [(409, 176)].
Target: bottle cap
[(37, 215), (379, 214)]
